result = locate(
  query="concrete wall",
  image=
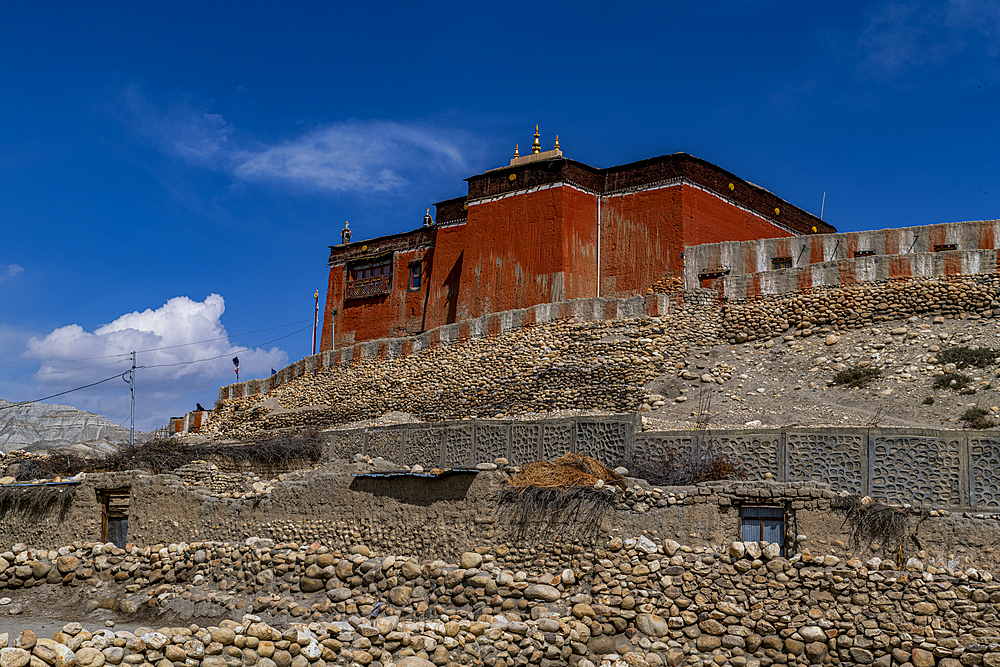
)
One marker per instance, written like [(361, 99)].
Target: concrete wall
[(829, 259), (953, 469)]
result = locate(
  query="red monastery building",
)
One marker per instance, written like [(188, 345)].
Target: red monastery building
[(541, 230)]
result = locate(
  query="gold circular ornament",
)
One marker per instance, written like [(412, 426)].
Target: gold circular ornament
[(731, 187), (513, 177), (777, 211), (814, 229), (465, 207), (364, 247)]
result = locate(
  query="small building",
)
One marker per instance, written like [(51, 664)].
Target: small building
[(545, 229)]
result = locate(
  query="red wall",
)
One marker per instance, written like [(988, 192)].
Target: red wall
[(711, 219), (514, 252), (395, 314), (541, 247), (641, 237)]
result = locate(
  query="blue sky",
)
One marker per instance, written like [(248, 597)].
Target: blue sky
[(174, 174)]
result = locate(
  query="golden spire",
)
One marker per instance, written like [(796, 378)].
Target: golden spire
[(536, 147), (516, 150), (557, 142)]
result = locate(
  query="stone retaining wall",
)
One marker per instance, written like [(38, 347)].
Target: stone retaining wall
[(629, 601), (488, 325)]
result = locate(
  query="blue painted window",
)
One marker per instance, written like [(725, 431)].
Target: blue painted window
[(763, 524)]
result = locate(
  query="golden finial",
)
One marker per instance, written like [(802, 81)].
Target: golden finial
[(517, 150), (557, 142), (536, 147)]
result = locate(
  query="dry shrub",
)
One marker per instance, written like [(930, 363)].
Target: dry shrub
[(872, 522), (159, 456), (689, 468), (34, 503)]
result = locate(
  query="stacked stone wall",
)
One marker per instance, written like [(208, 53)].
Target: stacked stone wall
[(649, 602), (823, 310)]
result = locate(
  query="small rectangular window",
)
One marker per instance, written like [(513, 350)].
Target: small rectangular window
[(415, 273), (945, 246), (863, 253), (763, 524), (781, 263)]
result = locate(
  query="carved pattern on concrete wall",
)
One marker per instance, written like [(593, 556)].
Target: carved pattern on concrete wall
[(423, 446), (556, 440), (523, 443), (345, 444), (605, 441), (458, 446), (758, 453), (916, 469), (654, 449), (985, 467), (831, 458), (491, 443), (387, 443)]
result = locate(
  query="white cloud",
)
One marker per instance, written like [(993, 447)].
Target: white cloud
[(161, 337), (354, 157), (183, 131), (901, 36), (345, 157), (12, 271)]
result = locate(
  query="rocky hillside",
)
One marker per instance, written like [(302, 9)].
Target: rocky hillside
[(766, 363), (39, 426)]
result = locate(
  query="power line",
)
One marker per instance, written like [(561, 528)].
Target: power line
[(68, 391), (197, 361), (68, 370), (155, 349), (182, 363)]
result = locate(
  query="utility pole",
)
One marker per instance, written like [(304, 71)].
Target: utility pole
[(315, 320), (131, 383)]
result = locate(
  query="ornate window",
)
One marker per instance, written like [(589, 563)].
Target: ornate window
[(369, 276), (781, 263)]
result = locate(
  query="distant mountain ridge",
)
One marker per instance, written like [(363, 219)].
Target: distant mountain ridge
[(40, 426)]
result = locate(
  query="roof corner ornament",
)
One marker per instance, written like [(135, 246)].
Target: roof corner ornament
[(556, 147), (537, 146), (345, 234), (428, 220)]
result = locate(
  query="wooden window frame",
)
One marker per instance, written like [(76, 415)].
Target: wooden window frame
[(416, 272), (106, 498), (778, 263), (369, 277), (944, 247), (777, 510)]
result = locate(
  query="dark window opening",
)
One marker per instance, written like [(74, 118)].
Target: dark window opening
[(114, 516), (763, 524), (945, 246), (781, 263), (863, 253), (416, 270), (369, 277)]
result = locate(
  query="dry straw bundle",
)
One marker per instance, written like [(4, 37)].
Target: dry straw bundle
[(568, 495)]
